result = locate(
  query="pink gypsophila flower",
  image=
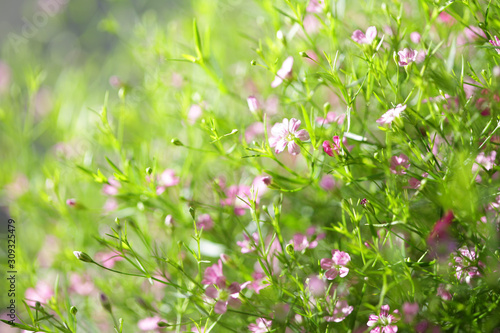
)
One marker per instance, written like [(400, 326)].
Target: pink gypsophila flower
[(233, 195), (399, 164), (329, 149), (342, 310), (384, 322), (205, 221), (285, 72), (359, 37), (261, 325), (248, 245), (336, 265), (391, 114), (224, 296), (214, 275), (443, 293), (407, 56), (496, 42), (284, 135), (259, 282), (41, 293), (149, 324), (467, 265)]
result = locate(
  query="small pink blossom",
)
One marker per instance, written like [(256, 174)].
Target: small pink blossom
[(328, 183), (399, 164), (110, 205), (107, 259), (284, 135), (415, 37), (331, 117), (341, 310), (391, 114), (205, 221), (336, 265), (310, 241), (384, 322), (5, 77), (261, 325), (71, 202), (446, 18), (253, 104), (359, 37), (329, 149), (407, 56), (168, 178), (284, 73), (259, 282), (248, 244), (82, 285), (41, 293), (496, 42), (316, 286), (253, 131), (195, 112), (214, 275), (472, 33), (112, 187), (467, 265), (233, 195), (149, 324), (224, 296), (410, 310), (443, 293)]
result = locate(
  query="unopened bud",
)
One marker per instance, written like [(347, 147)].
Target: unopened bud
[(106, 304), (82, 256), (267, 180), (73, 310), (253, 104), (253, 62), (176, 142)]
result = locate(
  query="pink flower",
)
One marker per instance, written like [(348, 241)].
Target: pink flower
[(415, 37), (110, 205), (261, 325), (443, 293), (71, 202), (259, 282), (328, 183), (407, 56), (194, 113), (410, 310), (214, 275), (446, 18), (41, 293), (224, 296), (496, 42), (301, 242), (5, 75), (472, 33), (384, 321), (254, 130), (331, 117), (149, 324), (205, 221), (399, 164), (316, 286), (440, 241), (342, 310), (111, 188), (107, 259), (391, 114), (284, 135), (329, 149), (359, 37), (82, 285), (168, 178), (233, 195), (285, 72), (336, 265), (253, 104), (248, 245), (467, 265), (487, 161)]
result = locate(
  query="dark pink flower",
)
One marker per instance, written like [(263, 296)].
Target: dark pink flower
[(496, 42), (336, 265), (261, 325), (341, 310), (71, 202), (205, 221), (446, 18), (329, 149), (359, 37), (248, 244), (391, 114), (214, 275), (284, 135), (407, 56), (399, 164), (284, 73), (384, 322), (467, 265), (440, 241)]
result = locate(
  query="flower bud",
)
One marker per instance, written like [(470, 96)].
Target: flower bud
[(106, 304), (82, 256), (253, 104)]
